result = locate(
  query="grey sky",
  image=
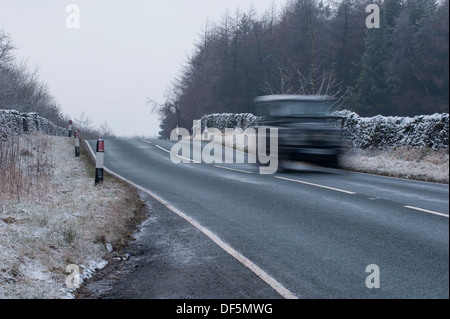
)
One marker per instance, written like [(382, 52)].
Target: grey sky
[(124, 52)]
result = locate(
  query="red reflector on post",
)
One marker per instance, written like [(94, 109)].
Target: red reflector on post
[(100, 146)]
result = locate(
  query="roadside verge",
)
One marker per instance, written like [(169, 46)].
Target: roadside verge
[(61, 220)]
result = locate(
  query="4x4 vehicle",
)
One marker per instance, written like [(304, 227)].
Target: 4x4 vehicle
[(307, 129)]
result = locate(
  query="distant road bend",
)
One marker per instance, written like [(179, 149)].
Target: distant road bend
[(309, 232)]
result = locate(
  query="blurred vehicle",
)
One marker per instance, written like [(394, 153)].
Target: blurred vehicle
[(307, 129)]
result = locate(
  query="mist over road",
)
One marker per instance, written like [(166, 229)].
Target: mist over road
[(311, 232)]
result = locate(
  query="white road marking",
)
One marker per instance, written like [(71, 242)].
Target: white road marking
[(427, 211), (284, 292), (188, 159), (183, 157), (241, 258), (162, 148), (146, 141), (233, 169), (316, 185)]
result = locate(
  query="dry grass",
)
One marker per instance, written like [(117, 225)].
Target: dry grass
[(58, 218), (25, 166)]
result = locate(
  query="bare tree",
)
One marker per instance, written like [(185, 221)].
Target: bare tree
[(106, 131), (6, 47), (84, 122), (291, 80)]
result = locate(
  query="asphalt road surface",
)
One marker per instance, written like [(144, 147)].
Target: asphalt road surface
[(225, 231)]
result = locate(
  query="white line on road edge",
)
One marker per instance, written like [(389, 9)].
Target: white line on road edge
[(233, 169), (316, 185), (146, 141), (426, 211), (241, 258)]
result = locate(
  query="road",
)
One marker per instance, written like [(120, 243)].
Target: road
[(305, 233)]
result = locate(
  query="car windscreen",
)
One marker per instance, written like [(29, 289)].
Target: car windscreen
[(292, 108)]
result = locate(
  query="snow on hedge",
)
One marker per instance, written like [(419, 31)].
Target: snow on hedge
[(229, 120), (13, 122), (378, 132)]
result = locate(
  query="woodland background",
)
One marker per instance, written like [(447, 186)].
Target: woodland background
[(317, 47)]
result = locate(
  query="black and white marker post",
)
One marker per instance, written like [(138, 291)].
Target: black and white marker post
[(77, 143), (99, 161), (70, 128)]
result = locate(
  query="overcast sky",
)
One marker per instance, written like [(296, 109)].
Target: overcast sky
[(124, 52)]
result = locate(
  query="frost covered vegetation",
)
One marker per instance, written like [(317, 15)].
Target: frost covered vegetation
[(408, 147), (422, 164), (388, 132), (52, 215), (25, 166), (13, 122), (228, 120)]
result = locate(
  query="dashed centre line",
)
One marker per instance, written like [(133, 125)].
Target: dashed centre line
[(426, 211), (162, 148), (316, 185), (185, 158), (308, 183), (233, 169)]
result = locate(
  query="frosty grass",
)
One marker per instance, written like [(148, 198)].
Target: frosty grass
[(72, 222)]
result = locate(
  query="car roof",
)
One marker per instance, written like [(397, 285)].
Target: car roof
[(291, 97)]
